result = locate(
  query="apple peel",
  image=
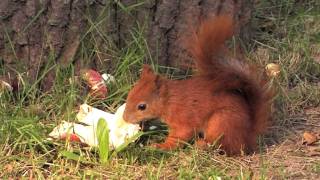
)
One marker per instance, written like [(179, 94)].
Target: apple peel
[(95, 81)]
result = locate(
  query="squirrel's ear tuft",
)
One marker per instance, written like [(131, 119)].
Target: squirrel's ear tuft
[(146, 71), (158, 81)]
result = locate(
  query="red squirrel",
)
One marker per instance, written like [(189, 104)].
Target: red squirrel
[(227, 100)]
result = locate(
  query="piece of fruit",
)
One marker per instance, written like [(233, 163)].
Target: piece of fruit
[(97, 86)]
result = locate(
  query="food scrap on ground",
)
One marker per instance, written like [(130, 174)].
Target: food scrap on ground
[(96, 83), (85, 131)]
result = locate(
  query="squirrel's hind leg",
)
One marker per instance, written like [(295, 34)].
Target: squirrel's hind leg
[(229, 130)]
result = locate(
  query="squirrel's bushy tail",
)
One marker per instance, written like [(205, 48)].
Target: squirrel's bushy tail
[(207, 44), (207, 48)]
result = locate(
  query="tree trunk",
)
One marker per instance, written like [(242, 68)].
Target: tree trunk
[(33, 32)]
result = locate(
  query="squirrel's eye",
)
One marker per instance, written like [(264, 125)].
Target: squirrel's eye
[(142, 107)]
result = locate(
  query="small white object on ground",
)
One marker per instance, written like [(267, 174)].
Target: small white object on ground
[(85, 132), (4, 84), (108, 78), (153, 127)]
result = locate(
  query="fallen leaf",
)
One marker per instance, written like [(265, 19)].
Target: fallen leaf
[(273, 70), (8, 168), (309, 138)]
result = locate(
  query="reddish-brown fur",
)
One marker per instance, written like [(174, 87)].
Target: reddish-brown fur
[(226, 100)]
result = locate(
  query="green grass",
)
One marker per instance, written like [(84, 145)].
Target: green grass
[(287, 33)]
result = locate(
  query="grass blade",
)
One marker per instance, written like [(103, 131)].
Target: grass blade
[(103, 140)]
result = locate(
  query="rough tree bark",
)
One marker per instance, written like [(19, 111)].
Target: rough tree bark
[(33, 31), (173, 19)]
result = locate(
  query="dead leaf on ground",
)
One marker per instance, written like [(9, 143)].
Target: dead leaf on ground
[(309, 138), (273, 70), (8, 168)]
